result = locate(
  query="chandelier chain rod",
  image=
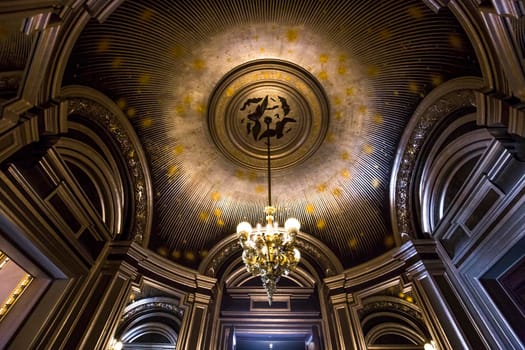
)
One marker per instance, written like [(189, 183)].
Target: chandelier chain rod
[(268, 121), (269, 252)]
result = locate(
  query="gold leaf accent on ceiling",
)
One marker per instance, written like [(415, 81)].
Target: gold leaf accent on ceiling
[(161, 60)]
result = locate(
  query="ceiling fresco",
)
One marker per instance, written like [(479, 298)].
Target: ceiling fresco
[(340, 80)]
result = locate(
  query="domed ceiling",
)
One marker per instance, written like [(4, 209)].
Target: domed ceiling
[(338, 81)]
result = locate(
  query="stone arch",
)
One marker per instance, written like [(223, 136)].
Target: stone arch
[(388, 320), (454, 96), (445, 170), (153, 321), (298, 306), (97, 171), (321, 259), (121, 146)]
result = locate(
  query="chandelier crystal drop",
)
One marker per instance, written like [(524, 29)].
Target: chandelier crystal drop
[(269, 251)]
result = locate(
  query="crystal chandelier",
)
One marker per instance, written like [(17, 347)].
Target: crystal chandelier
[(269, 251)]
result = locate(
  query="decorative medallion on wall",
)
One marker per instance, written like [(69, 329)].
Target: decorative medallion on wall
[(282, 91)]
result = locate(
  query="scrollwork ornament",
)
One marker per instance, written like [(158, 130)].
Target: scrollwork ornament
[(101, 115), (217, 260), (427, 120)]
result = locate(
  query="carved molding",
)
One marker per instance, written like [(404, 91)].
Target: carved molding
[(452, 96), (25, 133), (393, 304), (441, 109), (498, 113), (378, 271), (118, 127), (150, 304), (48, 119), (218, 255), (180, 280), (319, 253), (401, 285), (59, 23), (40, 22), (503, 32), (150, 315), (10, 82), (436, 5), (101, 9), (30, 6), (495, 31)]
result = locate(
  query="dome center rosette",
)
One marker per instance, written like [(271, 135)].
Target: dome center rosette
[(282, 91)]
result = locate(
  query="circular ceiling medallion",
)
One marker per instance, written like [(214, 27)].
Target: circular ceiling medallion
[(280, 92)]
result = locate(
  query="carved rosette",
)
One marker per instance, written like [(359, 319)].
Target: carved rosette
[(287, 95)]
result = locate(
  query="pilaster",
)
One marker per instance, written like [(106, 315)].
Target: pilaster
[(193, 333), (442, 308), (425, 295)]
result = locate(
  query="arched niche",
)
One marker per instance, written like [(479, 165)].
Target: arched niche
[(96, 170), (446, 167), (152, 322), (391, 322)]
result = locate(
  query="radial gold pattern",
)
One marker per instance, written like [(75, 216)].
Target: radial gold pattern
[(161, 60)]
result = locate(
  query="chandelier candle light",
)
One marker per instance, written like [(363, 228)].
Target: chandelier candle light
[(269, 251)]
